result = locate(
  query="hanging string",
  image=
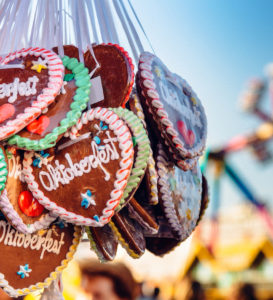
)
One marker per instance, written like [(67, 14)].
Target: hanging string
[(123, 22), (78, 30), (140, 25), (132, 27), (102, 25), (112, 27), (90, 8), (60, 39)]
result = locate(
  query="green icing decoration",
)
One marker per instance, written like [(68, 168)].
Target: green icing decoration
[(80, 100), (3, 170), (142, 141), (68, 77)]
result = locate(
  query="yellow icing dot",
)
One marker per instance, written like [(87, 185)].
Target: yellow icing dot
[(158, 72), (193, 100), (188, 214)]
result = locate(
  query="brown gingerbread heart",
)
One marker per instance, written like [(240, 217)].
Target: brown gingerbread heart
[(116, 71), (32, 261), (91, 167), (28, 88)]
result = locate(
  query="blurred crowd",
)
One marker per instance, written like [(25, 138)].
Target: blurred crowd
[(115, 281)]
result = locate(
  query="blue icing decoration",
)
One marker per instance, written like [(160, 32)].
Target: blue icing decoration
[(87, 199), (96, 218), (24, 271), (97, 140)]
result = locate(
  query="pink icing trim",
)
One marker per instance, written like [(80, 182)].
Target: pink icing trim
[(48, 94), (125, 143), (146, 76), (17, 222)]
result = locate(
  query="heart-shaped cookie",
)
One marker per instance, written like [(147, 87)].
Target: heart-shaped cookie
[(150, 174), (103, 241), (129, 233), (116, 72), (44, 132), (179, 194), (84, 180), (28, 88), (17, 203), (30, 262), (141, 149), (174, 107)]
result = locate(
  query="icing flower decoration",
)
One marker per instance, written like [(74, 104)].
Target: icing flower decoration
[(41, 159), (24, 271), (61, 223), (87, 199), (38, 65), (100, 128)]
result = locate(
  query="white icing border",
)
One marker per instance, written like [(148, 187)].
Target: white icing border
[(55, 71), (145, 62), (16, 221), (166, 196), (125, 144)]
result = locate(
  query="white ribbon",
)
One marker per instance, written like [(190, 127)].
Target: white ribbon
[(92, 19)]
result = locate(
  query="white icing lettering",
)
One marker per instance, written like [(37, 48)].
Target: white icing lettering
[(15, 168), (35, 242), (172, 98), (61, 174), (12, 90)]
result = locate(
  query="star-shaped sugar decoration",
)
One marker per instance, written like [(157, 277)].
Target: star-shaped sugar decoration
[(39, 65), (87, 199), (158, 72), (24, 271)]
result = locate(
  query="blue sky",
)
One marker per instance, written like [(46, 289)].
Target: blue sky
[(217, 45)]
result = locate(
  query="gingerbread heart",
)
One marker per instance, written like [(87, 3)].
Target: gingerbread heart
[(17, 203), (29, 262), (28, 88), (179, 195), (174, 107), (103, 241), (141, 149), (116, 72), (45, 131), (84, 180)]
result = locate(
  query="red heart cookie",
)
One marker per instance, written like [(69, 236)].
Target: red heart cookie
[(175, 108), (92, 167), (29, 262), (29, 205), (39, 126), (116, 71), (28, 88), (17, 202)]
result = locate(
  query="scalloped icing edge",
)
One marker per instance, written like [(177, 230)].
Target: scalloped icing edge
[(141, 138), (16, 221), (82, 81), (3, 170), (52, 276), (184, 164), (47, 96), (122, 241), (170, 211), (146, 58), (153, 200), (93, 245), (122, 132)]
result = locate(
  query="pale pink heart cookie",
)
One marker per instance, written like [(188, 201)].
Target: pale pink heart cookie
[(28, 88), (174, 106), (17, 203), (84, 180)]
